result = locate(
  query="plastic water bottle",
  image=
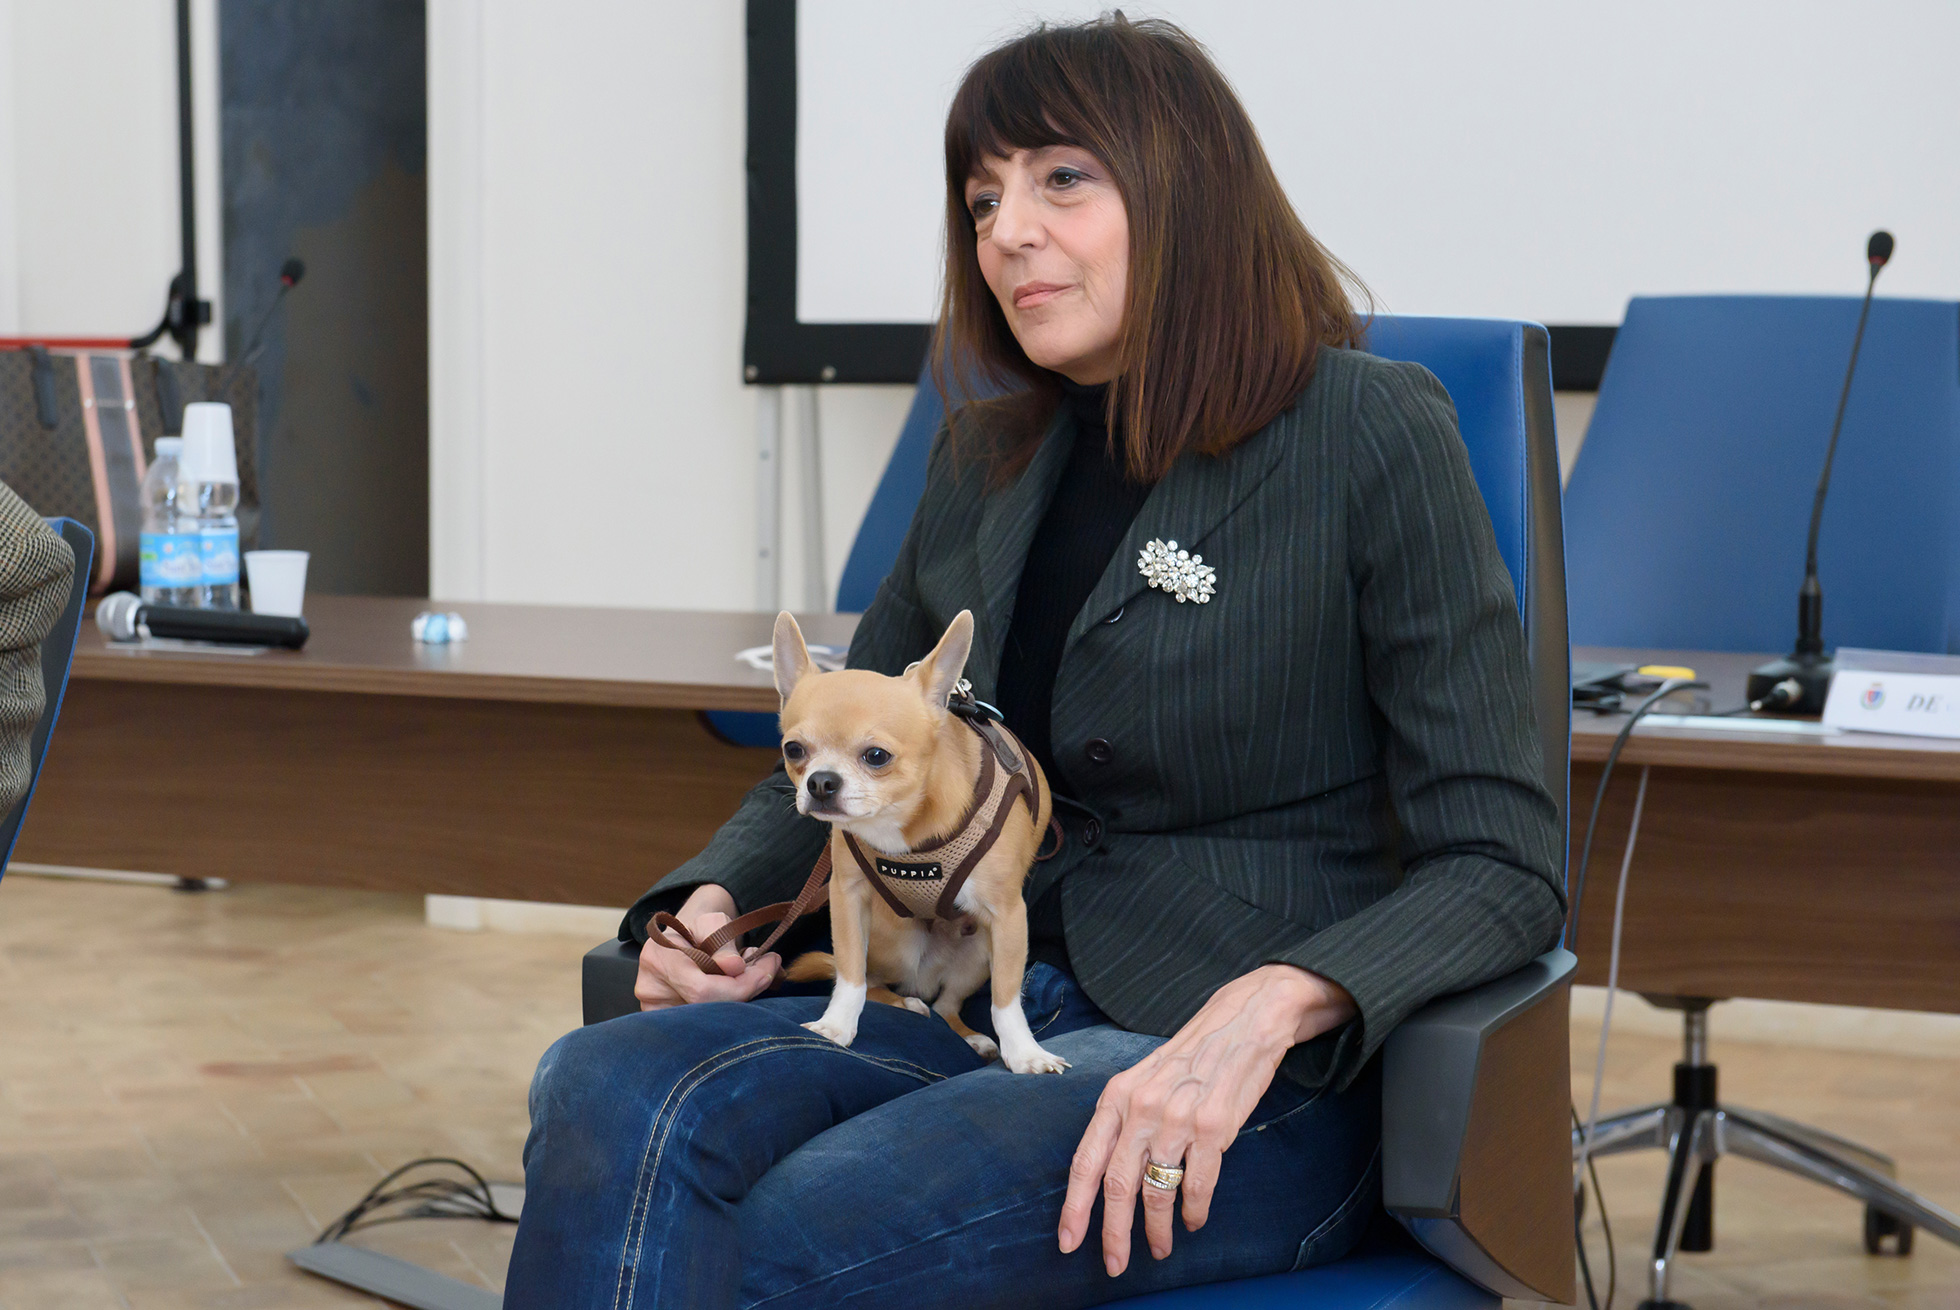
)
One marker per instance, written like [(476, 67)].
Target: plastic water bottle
[(208, 490), (171, 567)]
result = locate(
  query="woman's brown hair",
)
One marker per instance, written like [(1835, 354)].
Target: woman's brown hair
[(1229, 295)]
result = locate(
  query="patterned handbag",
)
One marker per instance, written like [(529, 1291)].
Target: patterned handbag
[(78, 429)]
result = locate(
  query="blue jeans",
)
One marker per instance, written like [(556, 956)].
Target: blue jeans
[(721, 1155)]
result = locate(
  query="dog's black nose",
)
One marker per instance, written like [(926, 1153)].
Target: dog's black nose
[(823, 785)]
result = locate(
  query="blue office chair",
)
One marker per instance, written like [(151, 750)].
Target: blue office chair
[(57, 653), (1690, 501), (1482, 1183), (1688, 511)]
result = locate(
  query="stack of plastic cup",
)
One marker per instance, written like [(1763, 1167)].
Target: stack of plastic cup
[(207, 472)]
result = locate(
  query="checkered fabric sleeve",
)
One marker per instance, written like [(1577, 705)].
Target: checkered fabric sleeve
[(35, 568)]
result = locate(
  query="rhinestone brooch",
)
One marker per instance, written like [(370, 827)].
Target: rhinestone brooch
[(1182, 574)]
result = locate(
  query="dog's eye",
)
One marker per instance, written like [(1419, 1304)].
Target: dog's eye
[(793, 751), (877, 757)]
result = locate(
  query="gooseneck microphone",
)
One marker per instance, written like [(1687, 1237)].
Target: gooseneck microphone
[(290, 274), (124, 617), (1799, 682)]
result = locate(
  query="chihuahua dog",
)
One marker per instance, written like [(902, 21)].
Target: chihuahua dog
[(935, 819)]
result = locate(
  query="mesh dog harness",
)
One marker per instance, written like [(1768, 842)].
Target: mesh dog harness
[(918, 884), (923, 884)]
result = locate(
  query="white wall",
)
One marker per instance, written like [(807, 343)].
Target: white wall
[(1533, 159), (591, 438), (88, 165)]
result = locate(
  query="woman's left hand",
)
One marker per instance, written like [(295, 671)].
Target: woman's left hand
[(1186, 1101)]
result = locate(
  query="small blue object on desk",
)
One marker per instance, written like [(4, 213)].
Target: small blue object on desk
[(433, 628)]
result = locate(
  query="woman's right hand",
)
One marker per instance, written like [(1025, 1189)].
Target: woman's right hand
[(668, 977)]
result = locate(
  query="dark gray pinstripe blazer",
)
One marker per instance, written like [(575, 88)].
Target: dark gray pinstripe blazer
[(1333, 764)]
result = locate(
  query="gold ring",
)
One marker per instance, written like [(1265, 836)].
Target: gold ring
[(1164, 1177)]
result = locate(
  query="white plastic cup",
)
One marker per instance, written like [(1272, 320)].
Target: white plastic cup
[(209, 453), (278, 579)]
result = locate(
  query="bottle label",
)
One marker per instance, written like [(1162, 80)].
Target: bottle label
[(218, 549), (175, 559)]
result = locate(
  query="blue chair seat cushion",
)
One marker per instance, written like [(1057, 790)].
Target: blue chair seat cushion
[(1381, 1279)]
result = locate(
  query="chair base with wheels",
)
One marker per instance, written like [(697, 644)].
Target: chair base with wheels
[(1695, 1130)]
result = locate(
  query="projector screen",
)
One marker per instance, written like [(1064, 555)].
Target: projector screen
[(1540, 159)]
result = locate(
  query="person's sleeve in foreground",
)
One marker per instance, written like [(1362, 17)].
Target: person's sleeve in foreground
[(36, 567)]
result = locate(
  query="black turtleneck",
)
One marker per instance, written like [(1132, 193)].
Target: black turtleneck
[(1094, 504)]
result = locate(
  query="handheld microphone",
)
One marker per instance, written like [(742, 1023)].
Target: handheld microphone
[(290, 274), (124, 617), (1799, 682)]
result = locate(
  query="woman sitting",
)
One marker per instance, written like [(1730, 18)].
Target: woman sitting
[(1293, 813)]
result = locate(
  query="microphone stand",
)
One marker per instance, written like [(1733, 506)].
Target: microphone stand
[(1799, 682)]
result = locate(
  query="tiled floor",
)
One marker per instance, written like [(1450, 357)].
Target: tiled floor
[(192, 1085)]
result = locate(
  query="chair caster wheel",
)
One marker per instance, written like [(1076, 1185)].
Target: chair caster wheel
[(1664, 1305), (1879, 1226)]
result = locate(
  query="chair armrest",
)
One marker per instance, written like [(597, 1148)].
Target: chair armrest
[(606, 981), (1477, 1134)]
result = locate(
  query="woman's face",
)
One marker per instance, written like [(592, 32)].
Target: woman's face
[(1054, 245)]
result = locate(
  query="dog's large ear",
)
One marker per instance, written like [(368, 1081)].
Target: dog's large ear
[(792, 657), (940, 671)]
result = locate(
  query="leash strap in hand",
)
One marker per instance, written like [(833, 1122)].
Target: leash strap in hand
[(782, 914)]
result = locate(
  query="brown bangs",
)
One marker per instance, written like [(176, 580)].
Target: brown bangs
[(1229, 295)]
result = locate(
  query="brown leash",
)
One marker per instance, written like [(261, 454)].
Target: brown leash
[(782, 914)]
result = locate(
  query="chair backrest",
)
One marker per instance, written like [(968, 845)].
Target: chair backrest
[(1498, 373), (882, 530), (1690, 502), (57, 654)]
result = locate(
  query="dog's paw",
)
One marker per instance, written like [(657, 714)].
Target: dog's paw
[(836, 1032), (1034, 1060), (915, 1005), (983, 1045)]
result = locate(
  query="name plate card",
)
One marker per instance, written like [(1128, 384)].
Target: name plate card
[(1911, 704)]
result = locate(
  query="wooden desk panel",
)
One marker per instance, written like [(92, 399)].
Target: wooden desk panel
[(1785, 886), (556, 755), (553, 802)]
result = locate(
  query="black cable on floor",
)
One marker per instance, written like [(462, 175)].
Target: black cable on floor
[(1605, 1226), (433, 1198), (1579, 1236), (1585, 1265), (1573, 905)]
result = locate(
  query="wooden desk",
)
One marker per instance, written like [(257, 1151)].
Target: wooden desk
[(556, 755), (1790, 868)]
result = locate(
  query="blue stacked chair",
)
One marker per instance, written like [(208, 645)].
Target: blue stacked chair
[(1690, 502)]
